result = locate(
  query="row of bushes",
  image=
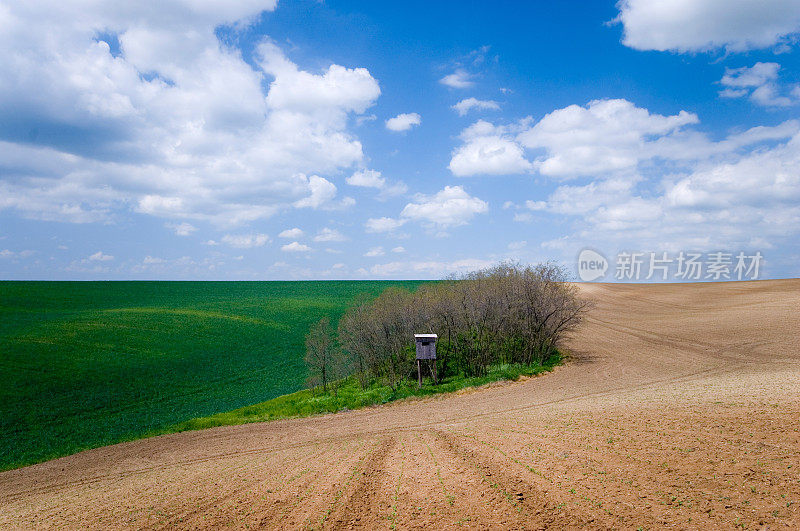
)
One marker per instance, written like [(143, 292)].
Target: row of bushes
[(507, 314)]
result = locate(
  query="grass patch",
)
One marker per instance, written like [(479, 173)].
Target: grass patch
[(350, 395)]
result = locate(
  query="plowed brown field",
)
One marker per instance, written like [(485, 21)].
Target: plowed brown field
[(680, 406)]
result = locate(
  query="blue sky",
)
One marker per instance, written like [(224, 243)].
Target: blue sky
[(316, 140)]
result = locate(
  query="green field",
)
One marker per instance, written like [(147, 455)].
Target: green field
[(85, 364)]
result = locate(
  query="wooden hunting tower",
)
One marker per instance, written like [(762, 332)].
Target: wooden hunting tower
[(426, 351), (426, 346)]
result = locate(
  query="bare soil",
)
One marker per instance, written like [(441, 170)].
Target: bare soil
[(679, 407)]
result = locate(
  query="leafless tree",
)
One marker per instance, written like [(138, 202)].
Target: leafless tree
[(321, 358), (356, 337)]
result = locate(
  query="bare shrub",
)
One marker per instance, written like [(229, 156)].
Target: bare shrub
[(321, 359)]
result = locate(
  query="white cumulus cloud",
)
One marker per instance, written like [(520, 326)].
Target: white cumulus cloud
[(245, 241), (295, 247), (604, 135), (467, 104), (383, 224), (701, 25), (760, 83), (488, 150), (329, 235), (656, 181), (450, 207), (366, 178), (321, 191), (460, 79), (374, 179), (403, 122), (164, 118), (291, 234)]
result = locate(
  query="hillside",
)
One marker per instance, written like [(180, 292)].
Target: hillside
[(680, 407), (86, 364)]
